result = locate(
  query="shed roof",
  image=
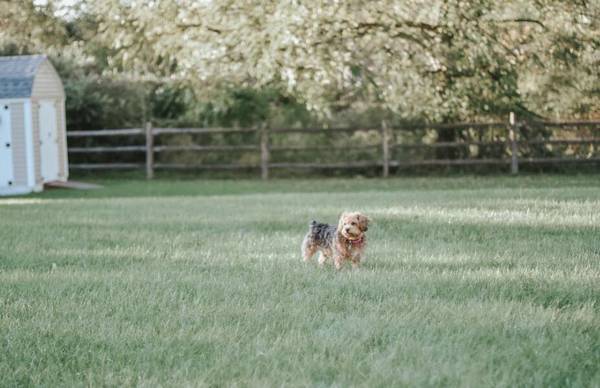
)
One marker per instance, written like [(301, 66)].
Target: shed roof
[(17, 74)]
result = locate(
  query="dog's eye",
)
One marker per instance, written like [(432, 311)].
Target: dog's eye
[(354, 223)]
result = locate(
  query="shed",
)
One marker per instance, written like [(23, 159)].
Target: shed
[(33, 144)]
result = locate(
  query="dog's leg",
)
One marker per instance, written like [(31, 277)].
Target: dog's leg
[(324, 255), (338, 261), (356, 262), (308, 249), (322, 258)]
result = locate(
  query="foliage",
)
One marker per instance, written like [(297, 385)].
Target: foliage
[(25, 26), (444, 59), (102, 94), (438, 60)]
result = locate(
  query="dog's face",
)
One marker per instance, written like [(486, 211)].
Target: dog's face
[(353, 225)]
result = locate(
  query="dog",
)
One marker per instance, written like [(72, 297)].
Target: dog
[(346, 242)]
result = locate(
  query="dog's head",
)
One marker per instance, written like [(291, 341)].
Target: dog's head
[(353, 225)]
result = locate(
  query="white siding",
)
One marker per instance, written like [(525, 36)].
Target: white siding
[(35, 125), (29, 145), (62, 141), (65, 153), (47, 83), (18, 143)]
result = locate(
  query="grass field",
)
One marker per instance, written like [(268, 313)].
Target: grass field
[(468, 282)]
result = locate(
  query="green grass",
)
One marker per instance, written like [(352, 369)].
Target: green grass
[(468, 282)]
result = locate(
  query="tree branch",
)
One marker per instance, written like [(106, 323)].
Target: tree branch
[(523, 20), (198, 25)]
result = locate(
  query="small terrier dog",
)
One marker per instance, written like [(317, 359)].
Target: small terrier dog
[(347, 241)]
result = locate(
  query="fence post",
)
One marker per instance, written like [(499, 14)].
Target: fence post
[(149, 151), (264, 152), (385, 145), (514, 149)]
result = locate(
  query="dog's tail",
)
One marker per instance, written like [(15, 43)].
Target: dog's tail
[(312, 227)]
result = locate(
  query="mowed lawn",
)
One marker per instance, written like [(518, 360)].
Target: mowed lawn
[(468, 282)]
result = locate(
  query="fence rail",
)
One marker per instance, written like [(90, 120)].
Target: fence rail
[(502, 134), (107, 132)]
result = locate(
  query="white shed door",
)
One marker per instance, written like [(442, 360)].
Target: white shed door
[(48, 141), (6, 158)]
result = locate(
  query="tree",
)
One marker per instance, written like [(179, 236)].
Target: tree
[(26, 27), (439, 59)]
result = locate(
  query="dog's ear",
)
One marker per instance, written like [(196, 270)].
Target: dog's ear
[(363, 222), (341, 220)]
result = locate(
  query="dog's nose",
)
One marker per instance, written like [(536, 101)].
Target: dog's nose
[(347, 229)]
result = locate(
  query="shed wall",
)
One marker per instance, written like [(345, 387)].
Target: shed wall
[(62, 135), (47, 83), (18, 143), (35, 125)]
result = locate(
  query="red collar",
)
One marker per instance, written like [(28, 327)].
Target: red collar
[(356, 242)]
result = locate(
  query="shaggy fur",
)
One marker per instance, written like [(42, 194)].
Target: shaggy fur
[(346, 242)]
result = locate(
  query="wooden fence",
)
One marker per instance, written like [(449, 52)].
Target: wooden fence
[(505, 135)]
